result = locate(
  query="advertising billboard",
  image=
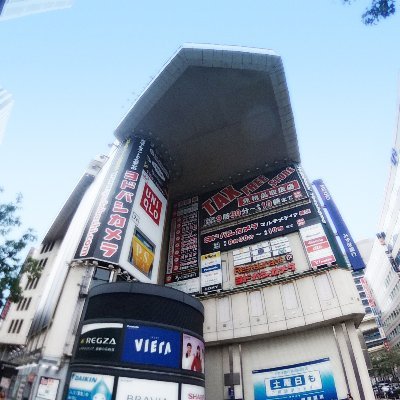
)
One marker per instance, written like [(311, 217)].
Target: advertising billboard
[(211, 272), (183, 252), (143, 389), (84, 386), (257, 230), (260, 194), (150, 345), (192, 392), (192, 353), (346, 239), (106, 227), (318, 249), (126, 223), (308, 380), (263, 261), (47, 389), (100, 341)]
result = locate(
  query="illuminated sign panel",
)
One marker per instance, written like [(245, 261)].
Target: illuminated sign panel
[(151, 346), (100, 341), (126, 223), (260, 194), (257, 230), (145, 389), (183, 254), (309, 380), (84, 386), (193, 354)]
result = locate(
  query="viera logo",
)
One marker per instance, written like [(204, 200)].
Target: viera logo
[(152, 346), (98, 340)]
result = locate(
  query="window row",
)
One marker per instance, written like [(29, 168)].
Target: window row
[(47, 247), (24, 303), (15, 326), (32, 283)]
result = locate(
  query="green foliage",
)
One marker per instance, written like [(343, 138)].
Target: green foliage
[(10, 250), (377, 10), (385, 363)]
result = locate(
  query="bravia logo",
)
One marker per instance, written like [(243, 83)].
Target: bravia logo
[(98, 340), (152, 346)]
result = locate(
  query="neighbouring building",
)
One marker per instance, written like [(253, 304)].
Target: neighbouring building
[(204, 192), (6, 104), (371, 326), (382, 271), (19, 8)]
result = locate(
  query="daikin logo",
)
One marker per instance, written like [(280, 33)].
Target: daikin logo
[(152, 346)]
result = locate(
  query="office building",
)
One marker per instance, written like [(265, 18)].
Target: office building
[(382, 271), (6, 104), (204, 192), (19, 8)]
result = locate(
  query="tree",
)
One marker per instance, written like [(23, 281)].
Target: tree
[(377, 10), (11, 267), (385, 364)]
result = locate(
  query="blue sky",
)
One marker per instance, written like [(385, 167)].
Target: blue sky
[(74, 73)]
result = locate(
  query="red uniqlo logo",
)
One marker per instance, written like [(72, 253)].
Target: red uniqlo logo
[(151, 204)]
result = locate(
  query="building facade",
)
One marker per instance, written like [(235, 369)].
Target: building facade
[(383, 266), (16, 8), (204, 192), (6, 104)]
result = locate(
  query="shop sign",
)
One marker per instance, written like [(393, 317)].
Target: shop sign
[(260, 194), (105, 230), (100, 341), (183, 263), (258, 230), (48, 388), (318, 249), (211, 272), (151, 346), (308, 380), (85, 386), (193, 354), (145, 389), (192, 392)]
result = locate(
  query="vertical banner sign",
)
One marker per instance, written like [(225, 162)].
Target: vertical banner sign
[(183, 265), (211, 272), (105, 231), (309, 380), (318, 249), (349, 245)]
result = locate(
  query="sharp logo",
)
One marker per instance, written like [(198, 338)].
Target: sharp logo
[(98, 340), (196, 396), (152, 346)]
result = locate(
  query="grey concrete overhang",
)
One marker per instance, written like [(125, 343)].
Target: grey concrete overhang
[(62, 221), (216, 114)]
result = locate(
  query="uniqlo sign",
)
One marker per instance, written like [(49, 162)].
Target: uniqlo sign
[(151, 204)]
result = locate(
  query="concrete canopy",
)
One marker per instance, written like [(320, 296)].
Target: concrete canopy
[(217, 114)]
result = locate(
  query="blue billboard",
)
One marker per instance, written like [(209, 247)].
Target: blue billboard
[(347, 241), (151, 345), (308, 380)]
